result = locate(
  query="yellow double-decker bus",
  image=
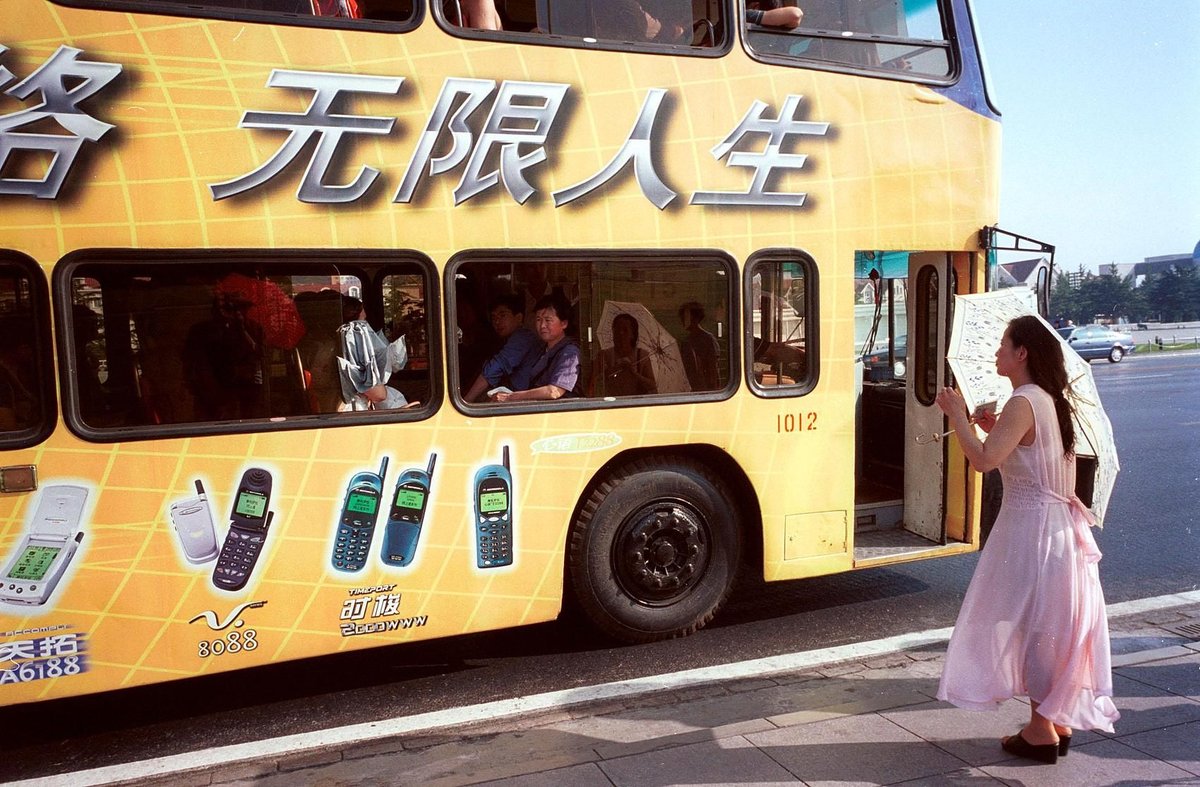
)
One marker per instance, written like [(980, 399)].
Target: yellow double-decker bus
[(331, 324)]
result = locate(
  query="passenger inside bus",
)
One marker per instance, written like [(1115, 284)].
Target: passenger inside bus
[(366, 361), (511, 365), (555, 372), (624, 369), (773, 13), (322, 315), (699, 349), (222, 362)]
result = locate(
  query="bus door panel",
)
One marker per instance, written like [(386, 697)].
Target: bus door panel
[(925, 458)]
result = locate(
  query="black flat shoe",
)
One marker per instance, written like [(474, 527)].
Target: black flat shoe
[(1064, 745), (1015, 744)]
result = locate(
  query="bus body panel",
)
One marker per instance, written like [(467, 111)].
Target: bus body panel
[(898, 167)]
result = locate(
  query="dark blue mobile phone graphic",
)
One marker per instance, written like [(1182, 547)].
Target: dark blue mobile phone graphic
[(494, 515), (407, 515), (249, 522), (356, 523)]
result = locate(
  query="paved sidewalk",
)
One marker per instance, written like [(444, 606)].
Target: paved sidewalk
[(861, 722)]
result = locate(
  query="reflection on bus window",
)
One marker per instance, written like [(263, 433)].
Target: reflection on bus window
[(693, 23), (780, 303), (161, 344), (609, 329), (895, 36), (283, 10), (22, 398)]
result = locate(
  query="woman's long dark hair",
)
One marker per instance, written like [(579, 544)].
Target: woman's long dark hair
[(1047, 369)]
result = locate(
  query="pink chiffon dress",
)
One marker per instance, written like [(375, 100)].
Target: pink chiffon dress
[(1033, 622)]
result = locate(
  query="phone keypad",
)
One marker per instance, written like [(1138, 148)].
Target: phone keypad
[(238, 556), (494, 541), (351, 546)]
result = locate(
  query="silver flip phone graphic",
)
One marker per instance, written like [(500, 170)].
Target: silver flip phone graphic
[(193, 521), (43, 554)]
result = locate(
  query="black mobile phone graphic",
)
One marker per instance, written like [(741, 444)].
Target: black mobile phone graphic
[(407, 515), (494, 515), (356, 524), (248, 524)]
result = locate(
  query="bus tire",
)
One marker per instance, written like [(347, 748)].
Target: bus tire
[(655, 550), (1116, 354)]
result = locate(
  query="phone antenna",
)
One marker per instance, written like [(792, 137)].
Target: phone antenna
[(383, 468), (506, 467), (432, 462)]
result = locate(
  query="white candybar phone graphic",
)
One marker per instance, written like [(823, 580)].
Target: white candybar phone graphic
[(192, 518), (43, 554)]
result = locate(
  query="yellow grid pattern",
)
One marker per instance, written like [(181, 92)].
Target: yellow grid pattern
[(899, 170)]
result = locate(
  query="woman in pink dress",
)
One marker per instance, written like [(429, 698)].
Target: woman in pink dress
[(1033, 622)]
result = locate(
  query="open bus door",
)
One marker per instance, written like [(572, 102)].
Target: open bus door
[(995, 240), (903, 304)]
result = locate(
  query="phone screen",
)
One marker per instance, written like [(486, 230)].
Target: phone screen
[(251, 504), (361, 503), (33, 563), (410, 498), (493, 502)]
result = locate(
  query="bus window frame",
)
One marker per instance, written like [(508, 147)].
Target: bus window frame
[(282, 262), (950, 44), (43, 338), (812, 317), (720, 48), (575, 404), (181, 8)]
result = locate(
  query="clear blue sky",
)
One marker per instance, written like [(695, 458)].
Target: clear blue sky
[(1101, 114)]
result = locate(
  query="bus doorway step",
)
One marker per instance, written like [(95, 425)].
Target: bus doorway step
[(884, 545)]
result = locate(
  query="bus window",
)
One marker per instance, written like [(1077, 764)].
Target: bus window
[(26, 382), (324, 12), (161, 343), (681, 25), (903, 38), (653, 327), (781, 311)]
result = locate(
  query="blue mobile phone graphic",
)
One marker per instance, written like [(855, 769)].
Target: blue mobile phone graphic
[(249, 522), (494, 515), (407, 515), (356, 524)]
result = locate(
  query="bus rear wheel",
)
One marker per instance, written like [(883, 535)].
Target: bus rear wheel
[(655, 550)]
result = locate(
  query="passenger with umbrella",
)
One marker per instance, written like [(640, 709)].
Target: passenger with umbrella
[(1033, 621), (366, 360), (624, 369)]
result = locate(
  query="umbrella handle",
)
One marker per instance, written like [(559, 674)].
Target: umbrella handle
[(926, 439)]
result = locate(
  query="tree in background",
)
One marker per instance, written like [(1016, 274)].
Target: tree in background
[(1170, 296)]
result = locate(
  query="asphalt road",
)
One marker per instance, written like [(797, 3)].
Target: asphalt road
[(1150, 547)]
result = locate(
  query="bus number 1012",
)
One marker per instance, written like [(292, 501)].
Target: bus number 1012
[(795, 422)]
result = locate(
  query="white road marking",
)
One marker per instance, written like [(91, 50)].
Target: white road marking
[(491, 711)]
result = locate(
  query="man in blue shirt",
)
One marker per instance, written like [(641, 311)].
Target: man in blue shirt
[(510, 367)]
